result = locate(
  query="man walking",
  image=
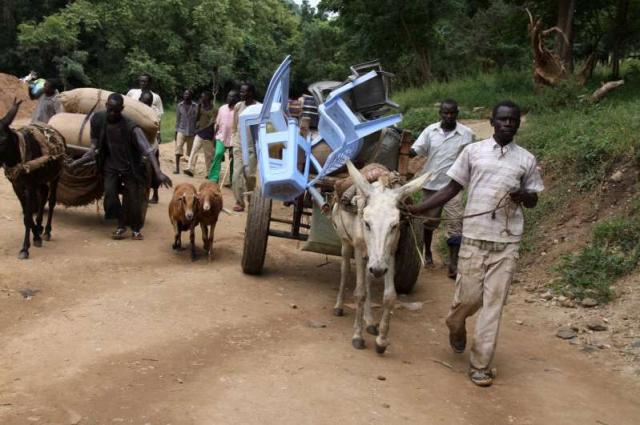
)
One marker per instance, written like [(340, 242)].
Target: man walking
[(119, 147), (441, 143), (205, 120), (48, 103), (494, 171), (240, 182), (186, 114), (223, 127)]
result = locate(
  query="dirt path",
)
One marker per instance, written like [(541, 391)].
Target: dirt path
[(129, 332)]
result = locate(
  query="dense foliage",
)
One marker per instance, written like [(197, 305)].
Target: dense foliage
[(193, 43)]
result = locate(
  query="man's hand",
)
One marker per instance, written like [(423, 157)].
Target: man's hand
[(527, 199), (164, 180)]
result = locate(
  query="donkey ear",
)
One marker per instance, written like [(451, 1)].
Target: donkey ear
[(412, 186), (358, 179)]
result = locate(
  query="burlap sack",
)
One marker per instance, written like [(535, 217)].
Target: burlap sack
[(83, 100), (69, 126)]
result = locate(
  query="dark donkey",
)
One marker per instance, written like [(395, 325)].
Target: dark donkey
[(33, 158)]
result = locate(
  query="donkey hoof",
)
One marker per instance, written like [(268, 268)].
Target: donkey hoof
[(373, 329), (358, 343), (23, 255), (37, 243), (47, 237), (338, 312), (380, 349)]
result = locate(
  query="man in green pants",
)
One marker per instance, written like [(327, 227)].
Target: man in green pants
[(223, 129)]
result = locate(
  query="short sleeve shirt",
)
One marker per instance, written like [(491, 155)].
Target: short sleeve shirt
[(441, 150), (224, 122), (489, 172), (156, 104), (47, 107)]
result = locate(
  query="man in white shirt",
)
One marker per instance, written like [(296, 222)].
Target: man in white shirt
[(144, 84), (441, 143), (496, 172), (239, 182)]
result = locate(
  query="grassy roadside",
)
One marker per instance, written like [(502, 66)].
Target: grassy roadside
[(168, 124)]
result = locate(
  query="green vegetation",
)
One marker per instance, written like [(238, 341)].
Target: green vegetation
[(613, 253), (168, 124), (216, 43)]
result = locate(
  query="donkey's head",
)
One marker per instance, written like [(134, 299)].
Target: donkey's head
[(6, 134), (381, 218)]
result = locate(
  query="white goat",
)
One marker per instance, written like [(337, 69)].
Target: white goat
[(371, 233)]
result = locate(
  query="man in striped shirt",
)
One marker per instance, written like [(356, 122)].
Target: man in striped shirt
[(496, 172)]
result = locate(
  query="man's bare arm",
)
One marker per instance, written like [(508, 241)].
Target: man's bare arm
[(441, 197)]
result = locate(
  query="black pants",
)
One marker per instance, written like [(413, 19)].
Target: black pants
[(130, 210)]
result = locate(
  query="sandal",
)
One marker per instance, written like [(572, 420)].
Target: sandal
[(238, 208), (119, 233), (482, 378), (137, 236)]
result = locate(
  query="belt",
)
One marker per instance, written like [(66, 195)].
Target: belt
[(487, 245)]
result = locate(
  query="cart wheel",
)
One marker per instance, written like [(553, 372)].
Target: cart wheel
[(256, 233), (407, 259)]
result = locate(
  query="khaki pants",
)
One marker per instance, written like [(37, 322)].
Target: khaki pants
[(239, 183), (207, 146), (451, 209), (181, 140), (484, 277)]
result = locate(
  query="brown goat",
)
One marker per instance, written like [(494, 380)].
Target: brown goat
[(210, 201), (183, 213)]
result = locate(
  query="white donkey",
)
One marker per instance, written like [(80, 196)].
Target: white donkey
[(372, 233)]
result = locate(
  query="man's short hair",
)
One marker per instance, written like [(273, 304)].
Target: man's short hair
[(146, 95), (449, 101), (250, 87), (116, 97), (506, 104), (144, 74)]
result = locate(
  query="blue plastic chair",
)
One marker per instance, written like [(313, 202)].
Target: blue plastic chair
[(343, 130), (283, 155)]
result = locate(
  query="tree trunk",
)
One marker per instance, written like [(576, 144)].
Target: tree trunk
[(564, 49), (619, 36), (424, 59)]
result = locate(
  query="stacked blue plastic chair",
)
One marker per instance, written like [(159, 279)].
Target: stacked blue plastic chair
[(285, 176), (283, 155)]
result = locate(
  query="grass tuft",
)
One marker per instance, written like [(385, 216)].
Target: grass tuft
[(614, 252)]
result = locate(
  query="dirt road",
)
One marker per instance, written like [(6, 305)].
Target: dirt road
[(130, 332)]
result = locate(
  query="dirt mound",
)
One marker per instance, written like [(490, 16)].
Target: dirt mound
[(11, 87)]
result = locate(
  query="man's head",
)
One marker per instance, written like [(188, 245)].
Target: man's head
[(187, 95), (247, 92), (206, 97), (232, 98), (115, 105), (49, 88), (448, 114), (146, 97), (505, 120), (144, 81)]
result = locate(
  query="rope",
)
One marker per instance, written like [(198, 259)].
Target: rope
[(500, 205)]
